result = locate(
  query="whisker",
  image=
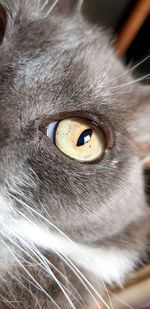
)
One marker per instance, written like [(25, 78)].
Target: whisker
[(50, 223), (29, 290), (107, 292), (63, 258), (46, 262), (65, 263), (49, 271), (34, 280), (20, 282), (5, 300), (11, 303), (75, 298), (82, 279), (132, 82), (44, 5), (131, 69), (52, 7)]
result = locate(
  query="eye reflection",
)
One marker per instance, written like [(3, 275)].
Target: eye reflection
[(84, 137)]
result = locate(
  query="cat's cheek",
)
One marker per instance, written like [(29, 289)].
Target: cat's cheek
[(111, 264)]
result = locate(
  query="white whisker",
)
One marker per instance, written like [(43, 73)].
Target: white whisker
[(132, 82), (42, 260), (82, 278), (52, 7), (66, 262), (11, 303), (51, 224), (47, 262), (131, 69), (5, 300), (34, 280), (44, 5), (27, 289), (62, 289)]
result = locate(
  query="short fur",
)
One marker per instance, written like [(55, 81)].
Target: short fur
[(51, 62)]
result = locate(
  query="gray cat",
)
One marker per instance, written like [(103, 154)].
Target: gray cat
[(73, 215)]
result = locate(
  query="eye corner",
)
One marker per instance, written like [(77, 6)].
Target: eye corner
[(41, 129)]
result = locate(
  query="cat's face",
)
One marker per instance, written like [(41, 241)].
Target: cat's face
[(54, 68)]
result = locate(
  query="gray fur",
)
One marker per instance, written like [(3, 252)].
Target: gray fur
[(58, 63)]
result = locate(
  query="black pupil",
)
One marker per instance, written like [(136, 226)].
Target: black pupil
[(84, 137)]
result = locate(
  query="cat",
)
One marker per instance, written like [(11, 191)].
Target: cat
[(73, 212)]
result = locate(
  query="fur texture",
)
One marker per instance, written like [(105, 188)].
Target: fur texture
[(52, 62)]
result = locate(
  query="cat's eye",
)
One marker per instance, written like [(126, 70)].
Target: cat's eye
[(78, 138)]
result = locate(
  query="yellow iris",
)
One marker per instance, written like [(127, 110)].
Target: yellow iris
[(80, 139)]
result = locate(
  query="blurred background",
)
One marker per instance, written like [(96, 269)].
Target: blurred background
[(130, 22)]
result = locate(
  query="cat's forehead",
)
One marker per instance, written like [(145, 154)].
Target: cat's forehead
[(56, 68), (58, 79)]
